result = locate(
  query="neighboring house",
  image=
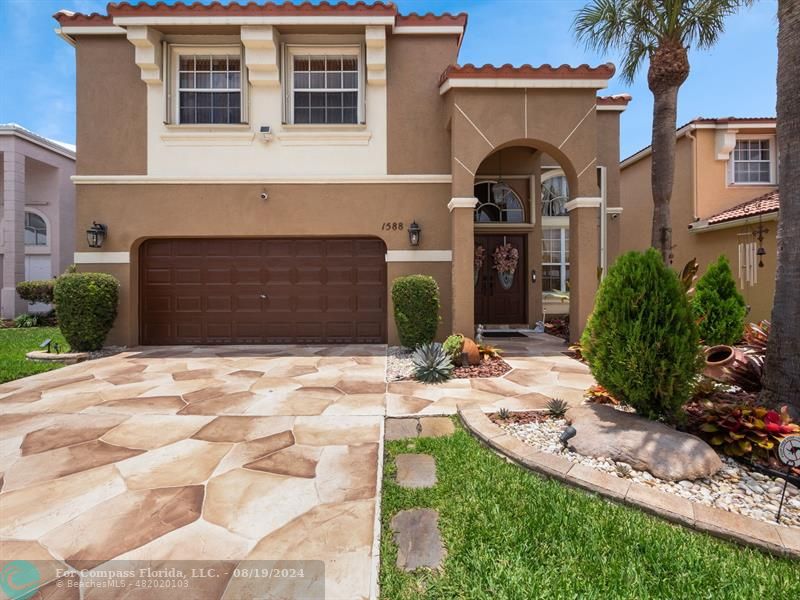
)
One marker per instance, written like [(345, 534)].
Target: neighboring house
[(259, 169), (38, 203), (724, 201)]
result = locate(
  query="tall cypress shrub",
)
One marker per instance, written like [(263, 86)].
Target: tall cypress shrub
[(641, 341), (718, 306), (416, 309)]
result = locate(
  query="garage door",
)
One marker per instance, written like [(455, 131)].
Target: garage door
[(263, 291)]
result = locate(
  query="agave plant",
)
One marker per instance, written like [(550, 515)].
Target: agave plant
[(431, 363), (556, 407), (741, 430), (503, 413)]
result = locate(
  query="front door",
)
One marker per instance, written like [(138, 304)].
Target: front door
[(499, 291)]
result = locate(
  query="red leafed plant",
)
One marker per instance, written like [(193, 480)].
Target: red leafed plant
[(597, 394), (740, 429)]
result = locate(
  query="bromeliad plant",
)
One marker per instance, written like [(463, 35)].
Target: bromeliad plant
[(740, 429), (453, 345), (432, 364)]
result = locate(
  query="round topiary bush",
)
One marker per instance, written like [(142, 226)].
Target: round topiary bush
[(416, 309), (641, 341), (718, 306), (36, 290), (86, 306)]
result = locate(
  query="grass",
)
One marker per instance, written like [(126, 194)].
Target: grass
[(15, 343), (510, 534)]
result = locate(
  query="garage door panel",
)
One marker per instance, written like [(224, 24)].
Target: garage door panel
[(210, 291)]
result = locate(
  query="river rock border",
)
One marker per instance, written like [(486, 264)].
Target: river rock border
[(777, 540)]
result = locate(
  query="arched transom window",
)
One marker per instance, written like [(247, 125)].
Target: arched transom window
[(497, 203), (555, 194), (35, 230)]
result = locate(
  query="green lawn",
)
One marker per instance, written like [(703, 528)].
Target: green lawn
[(510, 534), (15, 343)]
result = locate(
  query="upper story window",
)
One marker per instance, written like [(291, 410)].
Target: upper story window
[(35, 230), (497, 203), (208, 85), (325, 86), (752, 162), (555, 194)]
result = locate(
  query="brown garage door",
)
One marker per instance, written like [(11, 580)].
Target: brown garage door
[(263, 291)]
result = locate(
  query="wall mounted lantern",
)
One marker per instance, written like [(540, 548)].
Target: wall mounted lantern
[(414, 233), (96, 235)]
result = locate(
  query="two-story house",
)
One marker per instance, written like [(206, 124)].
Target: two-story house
[(724, 201), (265, 171), (38, 212)]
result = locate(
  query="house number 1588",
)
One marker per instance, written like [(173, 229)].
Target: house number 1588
[(393, 226)]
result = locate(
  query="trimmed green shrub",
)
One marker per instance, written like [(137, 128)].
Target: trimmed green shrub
[(86, 306), (36, 290), (416, 309), (641, 341), (718, 306)]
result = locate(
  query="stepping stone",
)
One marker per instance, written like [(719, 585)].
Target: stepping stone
[(416, 533), (436, 427), (416, 470), (401, 429)]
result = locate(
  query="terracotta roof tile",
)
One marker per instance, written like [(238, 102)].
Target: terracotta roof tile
[(768, 203), (615, 100), (508, 71), (66, 17), (234, 9), (430, 19)]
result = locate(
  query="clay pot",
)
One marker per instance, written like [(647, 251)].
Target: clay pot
[(718, 358), (470, 348)]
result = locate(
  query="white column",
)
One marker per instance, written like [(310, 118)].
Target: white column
[(13, 233)]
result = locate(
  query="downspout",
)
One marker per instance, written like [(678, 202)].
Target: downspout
[(694, 174), (603, 223)]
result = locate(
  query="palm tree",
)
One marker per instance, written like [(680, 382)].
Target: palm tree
[(661, 31), (782, 377)]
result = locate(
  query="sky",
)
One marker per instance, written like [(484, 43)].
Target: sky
[(735, 78)]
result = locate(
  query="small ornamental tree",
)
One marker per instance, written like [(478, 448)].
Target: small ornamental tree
[(641, 342), (416, 309), (86, 306), (718, 306)]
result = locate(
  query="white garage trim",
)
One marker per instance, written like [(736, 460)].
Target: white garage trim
[(419, 256), (102, 258)]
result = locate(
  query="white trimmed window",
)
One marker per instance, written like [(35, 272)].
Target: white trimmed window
[(752, 162), (324, 85), (35, 230), (207, 86), (555, 259)]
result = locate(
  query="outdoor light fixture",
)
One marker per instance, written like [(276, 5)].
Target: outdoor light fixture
[(501, 188), (414, 233), (567, 435), (96, 235)]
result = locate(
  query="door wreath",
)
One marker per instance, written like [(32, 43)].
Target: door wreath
[(506, 258)]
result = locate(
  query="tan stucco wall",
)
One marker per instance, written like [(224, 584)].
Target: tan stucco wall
[(111, 108), (713, 195), (134, 213), (418, 141)]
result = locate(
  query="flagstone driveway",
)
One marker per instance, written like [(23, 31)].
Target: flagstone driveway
[(225, 453)]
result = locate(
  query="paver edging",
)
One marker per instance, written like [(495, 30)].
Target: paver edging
[(741, 529)]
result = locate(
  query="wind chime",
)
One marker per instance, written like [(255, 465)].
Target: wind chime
[(759, 235), (751, 255)]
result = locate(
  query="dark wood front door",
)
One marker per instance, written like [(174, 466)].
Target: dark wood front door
[(263, 291), (500, 299)]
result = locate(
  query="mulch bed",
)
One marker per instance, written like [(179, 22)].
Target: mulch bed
[(493, 367), (519, 418)]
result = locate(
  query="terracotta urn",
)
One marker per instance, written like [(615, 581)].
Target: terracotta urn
[(718, 358)]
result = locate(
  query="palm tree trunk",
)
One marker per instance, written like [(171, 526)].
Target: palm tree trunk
[(782, 369), (662, 174)]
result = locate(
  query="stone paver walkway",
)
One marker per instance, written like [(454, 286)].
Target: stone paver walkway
[(416, 533), (226, 453), (415, 470)]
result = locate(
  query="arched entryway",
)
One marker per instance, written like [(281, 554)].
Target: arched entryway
[(521, 236)]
